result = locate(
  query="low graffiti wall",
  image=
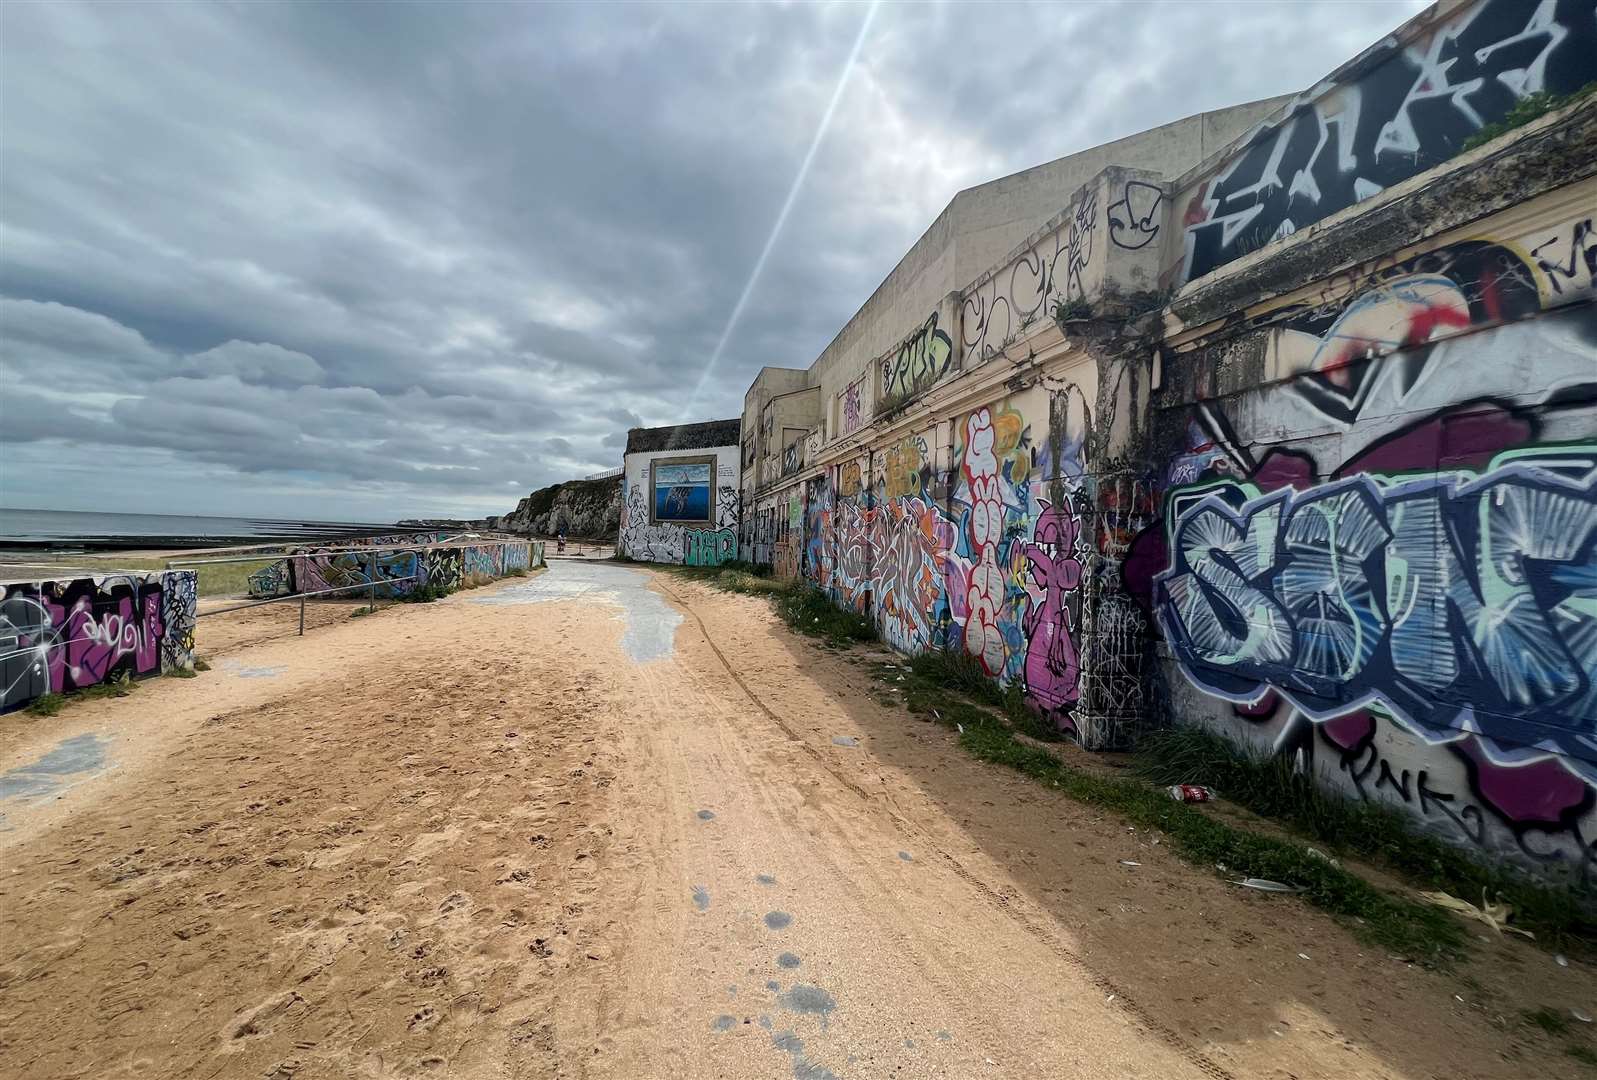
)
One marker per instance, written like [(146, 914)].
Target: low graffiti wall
[(397, 572), (61, 636), (277, 577), (454, 566), (390, 574)]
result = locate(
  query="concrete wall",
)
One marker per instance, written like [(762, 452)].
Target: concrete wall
[(705, 543), (982, 226), (395, 565), (455, 566), (277, 578), (908, 326), (1377, 545), (66, 635), (1391, 113), (1334, 499), (982, 525)]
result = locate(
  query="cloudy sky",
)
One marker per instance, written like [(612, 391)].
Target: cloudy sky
[(366, 261)]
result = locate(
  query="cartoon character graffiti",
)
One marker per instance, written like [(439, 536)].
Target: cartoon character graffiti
[(984, 594), (1052, 667)]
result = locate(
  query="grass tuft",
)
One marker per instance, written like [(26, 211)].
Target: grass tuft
[(950, 688), (959, 671), (1411, 930), (1270, 787), (1526, 109), (809, 612), (119, 687), (202, 665), (47, 704)]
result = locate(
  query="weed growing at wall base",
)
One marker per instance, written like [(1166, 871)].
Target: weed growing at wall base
[(47, 704), (1269, 786), (957, 670), (809, 612), (50, 704), (1410, 930), (804, 609), (934, 684)]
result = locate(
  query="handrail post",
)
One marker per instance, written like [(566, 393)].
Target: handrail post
[(301, 614)]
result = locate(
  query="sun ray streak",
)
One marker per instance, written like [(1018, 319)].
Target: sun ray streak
[(787, 207)]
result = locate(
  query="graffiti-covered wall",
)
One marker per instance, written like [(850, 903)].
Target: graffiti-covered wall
[(682, 506), (277, 578), (1334, 500), (390, 573), (984, 530), (1399, 111), (61, 636), (455, 566), (405, 566), (1377, 553)]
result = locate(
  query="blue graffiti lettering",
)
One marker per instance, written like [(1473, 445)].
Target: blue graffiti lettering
[(1456, 602)]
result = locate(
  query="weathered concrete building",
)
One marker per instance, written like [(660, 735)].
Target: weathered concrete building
[(1289, 432), (681, 495), (798, 421)]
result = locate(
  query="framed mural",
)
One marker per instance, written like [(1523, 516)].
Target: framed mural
[(683, 490)]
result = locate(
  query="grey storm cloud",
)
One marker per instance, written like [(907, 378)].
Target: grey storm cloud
[(350, 260)]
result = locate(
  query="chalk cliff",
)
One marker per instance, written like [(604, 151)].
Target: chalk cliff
[(585, 509)]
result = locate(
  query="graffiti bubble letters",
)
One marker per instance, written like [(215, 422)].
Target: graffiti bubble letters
[(918, 363), (1134, 219), (1399, 117), (708, 547), (985, 589), (1457, 602)]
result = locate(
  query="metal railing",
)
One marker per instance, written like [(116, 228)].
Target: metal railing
[(369, 584), (573, 548)]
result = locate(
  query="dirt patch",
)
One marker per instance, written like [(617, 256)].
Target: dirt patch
[(384, 872), (482, 840), (1225, 968), (218, 635)]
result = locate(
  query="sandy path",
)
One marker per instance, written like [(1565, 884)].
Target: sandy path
[(496, 840)]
